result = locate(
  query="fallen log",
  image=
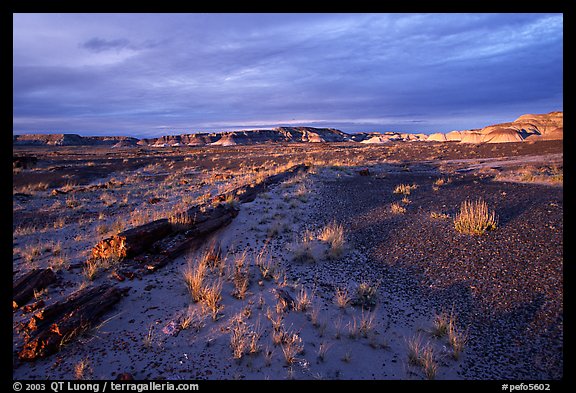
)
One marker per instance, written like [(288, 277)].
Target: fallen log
[(204, 224), (248, 193), (170, 236), (58, 324), (24, 287), (133, 241), (213, 219)]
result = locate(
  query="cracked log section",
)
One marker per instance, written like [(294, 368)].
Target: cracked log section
[(57, 324), (152, 245), (24, 287)]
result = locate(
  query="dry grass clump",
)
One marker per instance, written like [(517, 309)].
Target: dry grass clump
[(241, 276), (231, 201), (180, 220), (209, 294), (301, 192), (439, 215), (194, 275), (211, 297), (265, 265), (323, 350), (58, 262), (292, 346), (396, 208), (405, 189), (342, 297), (239, 337), (366, 324), (31, 252), (442, 181), (415, 350), (444, 324), (456, 338), (441, 323), (303, 300), (428, 363), (72, 202), (333, 234), (302, 251), (149, 338), (82, 369), (475, 218), (212, 257), (275, 319), (90, 270), (30, 188), (552, 174), (353, 331), (192, 319)]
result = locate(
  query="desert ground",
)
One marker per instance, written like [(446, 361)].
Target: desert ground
[(352, 268)]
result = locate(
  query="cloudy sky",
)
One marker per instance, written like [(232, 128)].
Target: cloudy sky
[(152, 74)]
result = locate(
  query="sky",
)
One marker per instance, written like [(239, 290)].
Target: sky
[(147, 75)]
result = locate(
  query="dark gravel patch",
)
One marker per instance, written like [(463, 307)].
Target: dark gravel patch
[(506, 286)]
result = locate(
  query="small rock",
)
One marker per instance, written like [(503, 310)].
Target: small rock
[(125, 377)]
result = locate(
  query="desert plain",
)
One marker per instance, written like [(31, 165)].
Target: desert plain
[(349, 267)]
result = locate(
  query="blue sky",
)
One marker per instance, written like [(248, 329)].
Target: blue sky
[(153, 74)]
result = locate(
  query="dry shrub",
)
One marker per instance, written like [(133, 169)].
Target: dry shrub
[(405, 189), (366, 296), (396, 208), (475, 218)]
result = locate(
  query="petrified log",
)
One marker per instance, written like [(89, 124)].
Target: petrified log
[(34, 306), (203, 223), (163, 238), (24, 162), (61, 322), (152, 262), (212, 220), (132, 241), (248, 193), (24, 287)]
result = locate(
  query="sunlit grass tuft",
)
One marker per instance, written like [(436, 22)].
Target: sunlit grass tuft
[(475, 218)]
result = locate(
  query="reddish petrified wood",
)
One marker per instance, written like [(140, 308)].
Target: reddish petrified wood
[(132, 241), (61, 322)]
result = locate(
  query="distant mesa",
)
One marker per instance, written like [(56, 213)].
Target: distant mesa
[(72, 140), (531, 127)]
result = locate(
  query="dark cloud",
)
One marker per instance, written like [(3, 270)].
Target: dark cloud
[(96, 44)]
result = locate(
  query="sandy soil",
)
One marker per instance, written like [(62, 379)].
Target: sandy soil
[(503, 288)]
